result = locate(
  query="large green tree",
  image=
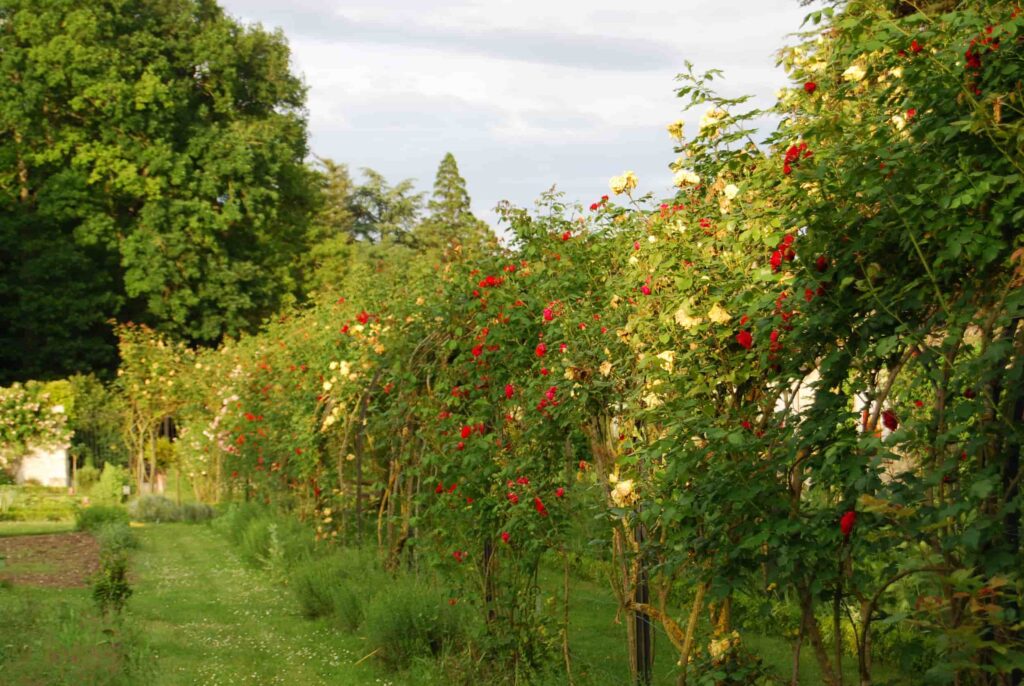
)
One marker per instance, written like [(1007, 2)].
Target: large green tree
[(451, 221), (151, 168)]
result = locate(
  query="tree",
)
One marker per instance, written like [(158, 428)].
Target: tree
[(331, 231), (451, 220), (153, 150), (383, 213)]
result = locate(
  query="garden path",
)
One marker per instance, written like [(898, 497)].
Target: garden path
[(208, 619)]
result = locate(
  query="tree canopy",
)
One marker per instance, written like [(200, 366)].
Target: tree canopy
[(151, 169)]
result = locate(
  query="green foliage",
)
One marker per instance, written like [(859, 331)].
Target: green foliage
[(94, 517), (410, 620), (115, 537), (59, 640), (451, 222), (109, 490), (110, 588), (158, 153), (86, 477), (28, 418), (382, 213), (36, 503)]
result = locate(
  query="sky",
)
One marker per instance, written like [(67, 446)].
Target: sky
[(525, 94)]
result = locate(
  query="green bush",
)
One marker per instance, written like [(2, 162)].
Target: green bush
[(196, 512), (35, 503), (154, 508), (339, 586), (235, 519), (314, 583), (276, 543), (116, 537), (110, 588), (109, 490), (86, 477), (410, 621), (93, 517)]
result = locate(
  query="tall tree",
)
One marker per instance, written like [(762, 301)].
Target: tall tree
[(383, 213), (451, 222), (331, 231), (151, 168)]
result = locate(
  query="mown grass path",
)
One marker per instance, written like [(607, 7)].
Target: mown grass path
[(210, 620)]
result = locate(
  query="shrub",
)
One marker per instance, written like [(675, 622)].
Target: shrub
[(196, 512), (110, 587), (116, 537), (275, 543), (154, 508), (339, 586), (314, 583), (410, 621), (86, 477), (93, 517), (109, 490)]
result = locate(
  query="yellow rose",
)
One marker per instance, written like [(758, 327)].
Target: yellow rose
[(685, 177), (623, 184), (718, 314), (675, 129), (854, 72)]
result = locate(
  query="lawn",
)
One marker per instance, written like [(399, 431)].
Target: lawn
[(200, 616)]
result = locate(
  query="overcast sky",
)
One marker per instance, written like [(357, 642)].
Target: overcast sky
[(524, 93)]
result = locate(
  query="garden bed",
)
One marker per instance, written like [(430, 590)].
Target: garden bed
[(50, 560)]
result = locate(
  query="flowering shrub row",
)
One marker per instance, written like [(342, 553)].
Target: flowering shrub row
[(797, 381)]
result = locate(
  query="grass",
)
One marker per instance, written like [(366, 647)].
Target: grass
[(210, 620), (32, 528)]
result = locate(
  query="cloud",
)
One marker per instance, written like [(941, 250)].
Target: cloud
[(579, 50)]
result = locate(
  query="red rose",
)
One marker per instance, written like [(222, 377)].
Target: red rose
[(846, 522), (915, 47), (505, 536), (745, 339), (890, 420), (478, 351), (440, 488), (539, 506), (776, 260), (567, 235), (513, 498), (540, 350), (467, 431), (821, 264), (810, 87), (559, 492), (548, 314), (645, 289), (510, 390)]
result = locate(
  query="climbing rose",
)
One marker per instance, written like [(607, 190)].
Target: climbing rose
[(745, 339), (510, 390), (645, 289), (810, 87), (821, 264), (559, 492), (550, 393), (467, 431), (548, 314), (505, 536), (478, 351), (539, 506), (776, 260), (567, 235), (915, 47), (513, 498), (890, 420), (846, 522), (439, 489), (541, 350)]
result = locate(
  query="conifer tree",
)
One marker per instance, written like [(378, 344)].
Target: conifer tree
[(451, 222)]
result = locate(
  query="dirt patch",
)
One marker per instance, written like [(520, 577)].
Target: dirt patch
[(51, 560)]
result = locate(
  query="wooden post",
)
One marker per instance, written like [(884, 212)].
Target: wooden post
[(644, 635)]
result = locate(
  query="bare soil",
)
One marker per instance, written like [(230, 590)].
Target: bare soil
[(50, 560)]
